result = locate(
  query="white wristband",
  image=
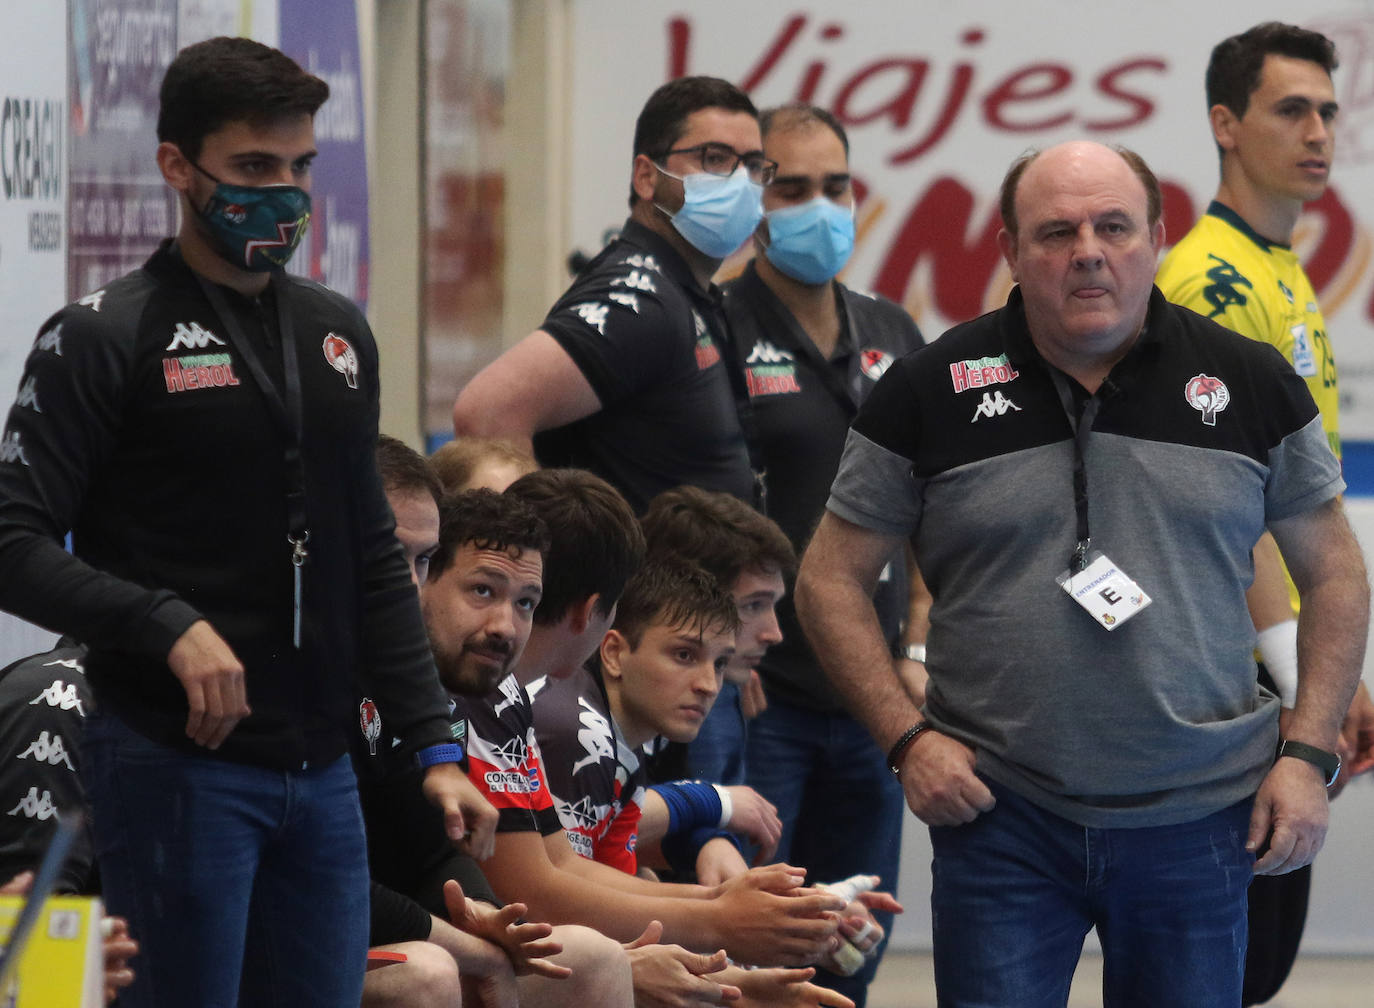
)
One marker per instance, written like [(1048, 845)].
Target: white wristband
[(1278, 647), (727, 807)]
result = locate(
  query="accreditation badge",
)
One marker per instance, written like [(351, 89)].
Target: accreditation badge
[(1104, 590)]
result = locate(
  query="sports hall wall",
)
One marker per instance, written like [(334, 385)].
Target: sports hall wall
[(473, 144)]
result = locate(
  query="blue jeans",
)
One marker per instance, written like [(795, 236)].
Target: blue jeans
[(242, 885), (841, 807), (717, 753), (1015, 892)]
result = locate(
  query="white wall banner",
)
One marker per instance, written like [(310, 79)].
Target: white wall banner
[(938, 100), (33, 195)]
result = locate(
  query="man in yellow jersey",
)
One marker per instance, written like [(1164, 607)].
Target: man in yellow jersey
[(1272, 109)]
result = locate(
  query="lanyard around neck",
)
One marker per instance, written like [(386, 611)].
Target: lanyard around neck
[(285, 408), (1081, 423)]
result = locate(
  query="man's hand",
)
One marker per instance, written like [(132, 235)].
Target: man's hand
[(785, 988), (940, 785), (525, 945), (719, 861), (668, 976), (766, 916), (1288, 824), (1357, 740), (752, 701), (755, 818), (212, 677), (119, 949), (469, 819), (858, 924)]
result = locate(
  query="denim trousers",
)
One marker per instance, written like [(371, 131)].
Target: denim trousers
[(242, 884), (717, 753), (1015, 892), (841, 807)]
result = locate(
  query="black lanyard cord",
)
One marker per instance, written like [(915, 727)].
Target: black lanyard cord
[(286, 410), (1082, 425)]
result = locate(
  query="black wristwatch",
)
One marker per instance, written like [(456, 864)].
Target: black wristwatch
[(1328, 763)]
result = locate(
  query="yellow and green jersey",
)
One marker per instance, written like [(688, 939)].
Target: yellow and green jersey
[(1224, 270)]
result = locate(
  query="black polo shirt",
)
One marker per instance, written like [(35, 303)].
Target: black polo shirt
[(803, 405), (649, 341)]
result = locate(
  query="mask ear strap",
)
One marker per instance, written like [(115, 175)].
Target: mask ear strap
[(192, 163)]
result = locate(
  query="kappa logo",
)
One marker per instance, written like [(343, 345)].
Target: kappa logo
[(994, 405), (630, 301), (874, 363), (35, 806), (594, 735), (639, 261), (192, 336), (765, 352), (1208, 395), (636, 280), (342, 357), (92, 300), (50, 750), (370, 721), (594, 314), (510, 689), (981, 372), (28, 395), (72, 663), (12, 449), (60, 694), (1224, 289), (51, 341)]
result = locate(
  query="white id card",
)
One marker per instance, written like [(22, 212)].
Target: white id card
[(1109, 596)]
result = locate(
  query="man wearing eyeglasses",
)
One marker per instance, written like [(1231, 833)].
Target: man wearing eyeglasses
[(628, 375)]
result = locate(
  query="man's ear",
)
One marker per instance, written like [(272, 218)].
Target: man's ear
[(177, 170), (1007, 244), (1223, 122), (580, 613), (644, 177), (614, 648)]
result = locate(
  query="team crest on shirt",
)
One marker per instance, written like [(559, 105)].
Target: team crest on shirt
[(370, 721), (770, 371), (1208, 395), (874, 362), (342, 358)]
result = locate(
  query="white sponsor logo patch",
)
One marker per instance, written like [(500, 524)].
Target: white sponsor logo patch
[(12, 449), (993, 405), (192, 336), (60, 694), (765, 352), (48, 749), (594, 314), (35, 806)]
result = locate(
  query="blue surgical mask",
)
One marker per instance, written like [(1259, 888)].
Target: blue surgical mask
[(255, 228), (810, 242), (719, 212)]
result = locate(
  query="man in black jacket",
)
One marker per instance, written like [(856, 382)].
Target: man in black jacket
[(204, 428)]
